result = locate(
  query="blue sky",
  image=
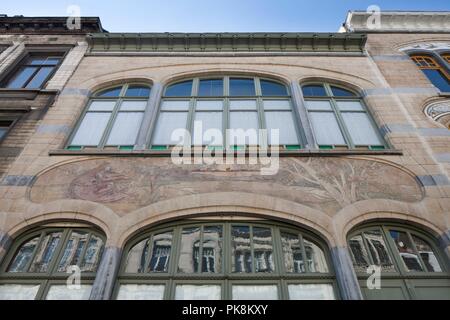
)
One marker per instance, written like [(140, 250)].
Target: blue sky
[(215, 15)]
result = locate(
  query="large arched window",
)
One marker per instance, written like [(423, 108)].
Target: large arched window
[(40, 263), (112, 118), (223, 103), (339, 118), (437, 74), (226, 260), (412, 266)]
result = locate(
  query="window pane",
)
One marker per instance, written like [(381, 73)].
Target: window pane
[(360, 257), (427, 255), (40, 77), (263, 250), (255, 292), (240, 249), (284, 122), (137, 91), (311, 292), (318, 104), (167, 123), (175, 105), (133, 105), (208, 121), (140, 292), (45, 252), (277, 104), (181, 89), (270, 88), (197, 292), (3, 131), (91, 129), (349, 105), (292, 253), (378, 250), (212, 249), (210, 87), (136, 257), (242, 104), (406, 251), (190, 250), (245, 121), (23, 256), (18, 291), (93, 254), (73, 250), (125, 128), (315, 258), (339, 92), (98, 105), (314, 91), (242, 87), (361, 129), (22, 76), (162, 248), (52, 61), (438, 79), (326, 128), (112, 92), (209, 105), (61, 292)]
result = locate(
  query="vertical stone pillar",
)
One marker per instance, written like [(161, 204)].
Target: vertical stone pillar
[(10, 55), (345, 274), (298, 103), (106, 274), (444, 243)]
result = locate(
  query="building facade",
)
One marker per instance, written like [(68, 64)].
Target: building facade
[(117, 175)]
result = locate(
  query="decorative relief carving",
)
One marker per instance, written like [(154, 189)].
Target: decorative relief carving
[(438, 109)]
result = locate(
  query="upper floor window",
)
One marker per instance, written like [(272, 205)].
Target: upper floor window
[(339, 118), (438, 75), (112, 118), (34, 71), (222, 103)]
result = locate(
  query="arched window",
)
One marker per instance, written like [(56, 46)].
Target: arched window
[(411, 264), (112, 118), (231, 260), (339, 118), (40, 262), (222, 103), (437, 75)]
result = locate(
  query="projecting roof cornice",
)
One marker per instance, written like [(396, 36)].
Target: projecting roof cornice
[(398, 22), (226, 42)]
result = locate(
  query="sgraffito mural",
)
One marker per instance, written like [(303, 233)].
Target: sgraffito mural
[(124, 185)]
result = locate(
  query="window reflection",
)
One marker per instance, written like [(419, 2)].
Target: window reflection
[(45, 252), (315, 259), (293, 253), (262, 246), (406, 251), (378, 250), (23, 256), (241, 249), (212, 249), (426, 253), (360, 256), (162, 246)]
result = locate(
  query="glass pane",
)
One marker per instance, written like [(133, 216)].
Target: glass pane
[(438, 79), (175, 105), (133, 105), (162, 248), (209, 105), (211, 121), (36, 60), (263, 250), (315, 258), (359, 254), (255, 292), (242, 104), (406, 251), (3, 132), (167, 123), (242, 87), (270, 88), (40, 77), (311, 292), (378, 250), (52, 61), (349, 105), (240, 249), (73, 250), (314, 91), (140, 292), (189, 250), (62, 292), (91, 129), (23, 256), (339, 92), (125, 129), (318, 104), (93, 254), (427, 255), (137, 91), (18, 291), (326, 128), (284, 122), (210, 87), (181, 89), (99, 105), (292, 253), (22, 76), (361, 129), (112, 92), (245, 121), (136, 257), (212, 249), (197, 292), (277, 104), (45, 252)]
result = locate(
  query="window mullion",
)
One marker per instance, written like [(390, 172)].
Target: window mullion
[(416, 251), (200, 250), (31, 77), (341, 123), (33, 255), (252, 253), (148, 257), (305, 257), (83, 252), (366, 245), (400, 266), (112, 118), (57, 255)]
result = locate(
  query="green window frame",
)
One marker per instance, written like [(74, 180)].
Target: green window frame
[(399, 259), (39, 260), (339, 114), (188, 112), (109, 115), (264, 251)]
